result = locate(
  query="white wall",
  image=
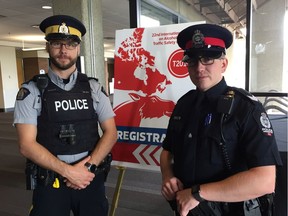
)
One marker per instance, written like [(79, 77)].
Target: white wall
[(8, 77)]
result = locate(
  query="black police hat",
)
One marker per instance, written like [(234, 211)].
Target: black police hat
[(62, 27), (204, 39)]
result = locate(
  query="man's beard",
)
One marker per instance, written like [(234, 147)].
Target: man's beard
[(62, 66)]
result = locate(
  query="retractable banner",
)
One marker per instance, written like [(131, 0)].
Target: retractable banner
[(149, 78)]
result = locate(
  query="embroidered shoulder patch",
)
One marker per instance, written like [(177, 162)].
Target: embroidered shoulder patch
[(22, 94), (266, 125)]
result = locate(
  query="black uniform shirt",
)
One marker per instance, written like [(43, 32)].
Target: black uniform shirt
[(194, 136)]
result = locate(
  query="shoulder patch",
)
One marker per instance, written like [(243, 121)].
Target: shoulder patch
[(22, 93), (265, 124), (102, 88)]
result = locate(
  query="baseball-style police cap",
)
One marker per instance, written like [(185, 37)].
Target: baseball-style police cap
[(62, 27), (204, 40)]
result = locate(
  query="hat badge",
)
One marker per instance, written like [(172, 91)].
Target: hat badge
[(198, 39), (63, 29)]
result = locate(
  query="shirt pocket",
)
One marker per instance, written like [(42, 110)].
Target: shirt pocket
[(217, 150), (211, 141)]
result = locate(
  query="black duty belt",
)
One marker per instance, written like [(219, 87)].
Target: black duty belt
[(37, 175)]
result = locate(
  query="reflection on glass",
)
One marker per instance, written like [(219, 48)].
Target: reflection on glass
[(267, 48), (148, 21), (152, 15)]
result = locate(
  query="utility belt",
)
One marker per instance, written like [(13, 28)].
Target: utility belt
[(36, 175), (261, 206)]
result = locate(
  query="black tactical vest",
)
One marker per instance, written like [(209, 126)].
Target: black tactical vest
[(68, 123)]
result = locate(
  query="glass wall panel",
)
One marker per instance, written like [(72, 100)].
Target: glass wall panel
[(231, 14), (151, 15), (268, 56), (268, 64)]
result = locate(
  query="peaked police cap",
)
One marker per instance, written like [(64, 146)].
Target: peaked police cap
[(62, 27), (204, 38)]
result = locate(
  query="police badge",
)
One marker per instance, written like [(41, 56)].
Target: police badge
[(198, 40), (63, 29)]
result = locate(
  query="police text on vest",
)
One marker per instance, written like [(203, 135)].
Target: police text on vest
[(76, 104)]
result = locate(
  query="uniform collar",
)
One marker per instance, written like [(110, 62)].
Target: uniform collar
[(213, 93), (59, 81)]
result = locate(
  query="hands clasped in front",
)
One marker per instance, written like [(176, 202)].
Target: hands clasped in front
[(172, 189), (77, 176)]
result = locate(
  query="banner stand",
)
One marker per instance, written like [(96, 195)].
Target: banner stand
[(149, 78), (115, 200)]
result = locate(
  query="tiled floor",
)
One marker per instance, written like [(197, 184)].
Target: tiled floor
[(140, 191), (139, 195)]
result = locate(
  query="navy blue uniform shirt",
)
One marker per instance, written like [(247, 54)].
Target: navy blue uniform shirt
[(194, 137)]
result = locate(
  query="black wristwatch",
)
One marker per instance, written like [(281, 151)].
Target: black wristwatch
[(91, 167), (195, 191)]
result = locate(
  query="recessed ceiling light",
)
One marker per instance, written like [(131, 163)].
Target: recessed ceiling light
[(29, 38), (33, 49), (46, 7)]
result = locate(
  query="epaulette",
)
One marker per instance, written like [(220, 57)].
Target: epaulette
[(244, 94), (27, 82), (41, 81), (35, 78), (93, 78), (102, 88)]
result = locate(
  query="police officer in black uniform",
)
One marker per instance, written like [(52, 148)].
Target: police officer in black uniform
[(56, 117), (219, 156)]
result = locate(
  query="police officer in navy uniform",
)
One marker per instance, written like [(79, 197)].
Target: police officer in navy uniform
[(56, 117), (219, 156)]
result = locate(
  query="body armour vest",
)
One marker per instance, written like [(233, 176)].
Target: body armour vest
[(68, 123)]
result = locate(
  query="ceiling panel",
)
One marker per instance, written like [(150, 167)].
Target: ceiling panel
[(18, 16)]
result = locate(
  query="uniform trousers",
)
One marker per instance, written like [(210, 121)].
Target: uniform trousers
[(91, 201)]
